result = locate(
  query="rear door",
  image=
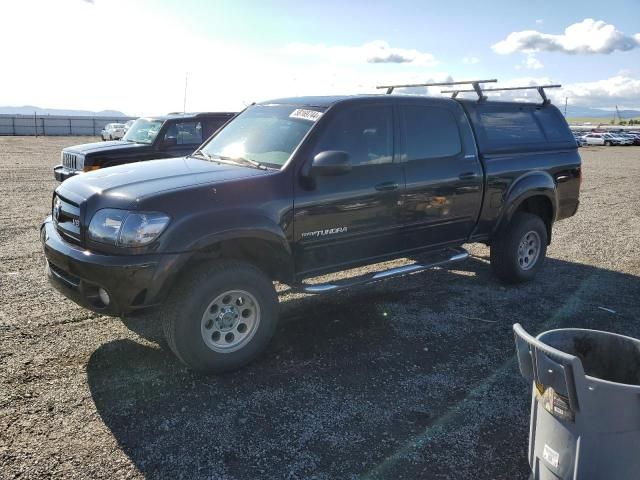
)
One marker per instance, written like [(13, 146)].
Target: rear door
[(351, 218), (443, 175)]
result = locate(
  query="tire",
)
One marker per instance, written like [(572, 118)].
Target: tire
[(510, 260), (203, 317), (110, 137), (607, 144)]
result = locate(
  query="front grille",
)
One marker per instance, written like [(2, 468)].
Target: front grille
[(66, 217), (72, 161)]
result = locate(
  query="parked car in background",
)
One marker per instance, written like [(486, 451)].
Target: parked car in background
[(594, 139), (112, 131), (608, 139), (634, 139), (147, 138), (616, 139)]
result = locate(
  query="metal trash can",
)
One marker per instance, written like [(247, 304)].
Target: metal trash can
[(585, 408)]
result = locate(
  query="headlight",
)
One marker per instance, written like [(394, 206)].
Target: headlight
[(126, 229)]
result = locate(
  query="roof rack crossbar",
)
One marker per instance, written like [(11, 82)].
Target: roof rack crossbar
[(539, 88), (474, 83)]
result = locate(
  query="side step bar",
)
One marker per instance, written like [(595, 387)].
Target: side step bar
[(445, 257)]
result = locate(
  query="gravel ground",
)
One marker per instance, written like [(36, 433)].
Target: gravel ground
[(411, 378)]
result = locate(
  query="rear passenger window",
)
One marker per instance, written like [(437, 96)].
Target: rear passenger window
[(430, 132), (516, 127), (366, 133)]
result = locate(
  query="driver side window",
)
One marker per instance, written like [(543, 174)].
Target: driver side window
[(364, 132), (184, 133)]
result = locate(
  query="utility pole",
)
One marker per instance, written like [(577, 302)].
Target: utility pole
[(184, 103), (566, 99), (618, 114)]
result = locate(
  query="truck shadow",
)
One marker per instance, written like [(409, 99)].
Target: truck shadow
[(353, 381)]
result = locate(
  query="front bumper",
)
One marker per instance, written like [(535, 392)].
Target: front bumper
[(131, 281), (62, 173)]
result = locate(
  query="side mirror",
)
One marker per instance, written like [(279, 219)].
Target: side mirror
[(330, 163)]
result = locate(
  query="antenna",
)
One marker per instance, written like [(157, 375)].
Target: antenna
[(481, 97), (474, 83), (184, 102)]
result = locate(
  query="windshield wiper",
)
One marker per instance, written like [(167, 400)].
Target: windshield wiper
[(200, 153), (242, 161)]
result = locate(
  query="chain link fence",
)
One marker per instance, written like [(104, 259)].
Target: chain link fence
[(58, 125)]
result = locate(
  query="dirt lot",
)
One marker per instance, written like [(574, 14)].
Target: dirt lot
[(412, 378)]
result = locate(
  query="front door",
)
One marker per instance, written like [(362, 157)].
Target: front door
[(444, 178), (345, 219), (181, 138)]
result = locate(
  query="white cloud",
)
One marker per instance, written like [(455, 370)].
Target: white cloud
[(470, 60), (620, 90), (531, 62), (588, 37), (539, 21), (377, 51)]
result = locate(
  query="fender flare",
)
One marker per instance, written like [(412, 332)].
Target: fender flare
[(237, 226), (532, 184)]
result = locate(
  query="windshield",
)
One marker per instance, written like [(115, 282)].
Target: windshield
[(143, 131), (267, 134)]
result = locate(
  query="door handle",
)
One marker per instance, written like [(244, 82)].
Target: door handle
[(387, 186), (467, 176)]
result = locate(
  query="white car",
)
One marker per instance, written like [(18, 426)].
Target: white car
[(113, 131), (594, 139), (607, 139)]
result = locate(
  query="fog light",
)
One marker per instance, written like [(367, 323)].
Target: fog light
[(104, 296)]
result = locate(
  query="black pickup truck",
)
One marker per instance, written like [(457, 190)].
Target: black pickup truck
[(168, 136), (298, 187)]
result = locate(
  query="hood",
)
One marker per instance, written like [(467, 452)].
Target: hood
[(126, 184), (102, 147)]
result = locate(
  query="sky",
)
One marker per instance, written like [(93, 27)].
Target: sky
[(134, 56)]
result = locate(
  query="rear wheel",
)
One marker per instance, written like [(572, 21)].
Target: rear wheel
[(518, 251), (221, 316)]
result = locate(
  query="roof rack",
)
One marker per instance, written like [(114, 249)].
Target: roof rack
[(481, 97), (474, 83)]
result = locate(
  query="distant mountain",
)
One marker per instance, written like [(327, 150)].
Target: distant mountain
[(29, 110), (597, 112)]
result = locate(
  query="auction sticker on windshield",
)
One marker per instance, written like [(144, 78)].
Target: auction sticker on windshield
[(304, 114)]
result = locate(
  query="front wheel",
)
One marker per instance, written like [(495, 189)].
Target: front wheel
[(519, 249), (607, 144), (220, 316)]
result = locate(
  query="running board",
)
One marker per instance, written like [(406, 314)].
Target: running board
[(445, 257)]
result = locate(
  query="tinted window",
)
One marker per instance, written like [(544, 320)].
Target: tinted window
[(554, 125), (185, 133), (366, 133), (430, 132), (515, 127)]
